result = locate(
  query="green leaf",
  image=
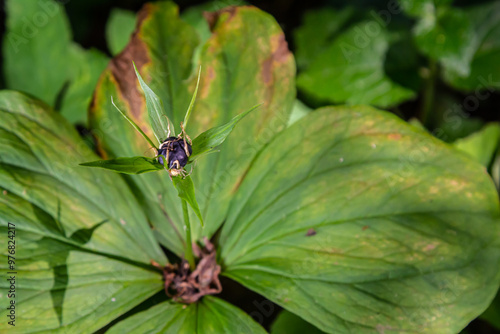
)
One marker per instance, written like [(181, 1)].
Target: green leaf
[(351, 70), (357, 221), (495, 171), (119, 28), (482, 145), (211, 315), (86, 68), (134, 165), (424, 9), (289, 323), (185, 189), (84, 245), (318, 29), (299, 110), (446, 37), (161, 124), (36, 56), (483, 51), (40, 58), (244, 61), (214, 137)]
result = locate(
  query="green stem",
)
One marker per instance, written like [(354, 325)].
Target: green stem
[(429, 93), (189, 243)]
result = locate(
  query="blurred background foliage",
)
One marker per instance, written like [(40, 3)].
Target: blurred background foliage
[(434, 63)]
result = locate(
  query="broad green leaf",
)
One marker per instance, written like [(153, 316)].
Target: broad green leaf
[(214, 137), (446, 37), (483, 51), (134, 165), (36, 48), (40, 58), (185, 189), (289, 323), (161, 124), (119, 28), (318, 29), (482, 145), (359, 222), (245, 61), (86, 67), (84, 246), (210, 315), (351, 70)]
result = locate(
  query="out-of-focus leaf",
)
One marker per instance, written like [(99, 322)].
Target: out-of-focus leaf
[(289, 323), (185, 189), (195, 16), (86, 68), (483, 52), (84, 245), (482, 145), (119, 28), (40, 58), (351, 70), (161, 124), (423, 8), (210, 315), (359, 223), (318, 29), (495, 171), (214, 137), (299, 110), (244, 62), (36, 48), (134, 165), (446, 37), (417, 124)]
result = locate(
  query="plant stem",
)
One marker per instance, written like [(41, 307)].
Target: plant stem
[(429, 93), (189, 243)]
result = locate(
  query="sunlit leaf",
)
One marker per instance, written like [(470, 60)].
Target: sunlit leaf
[(356, 221), (84, 245), (244, 61)]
